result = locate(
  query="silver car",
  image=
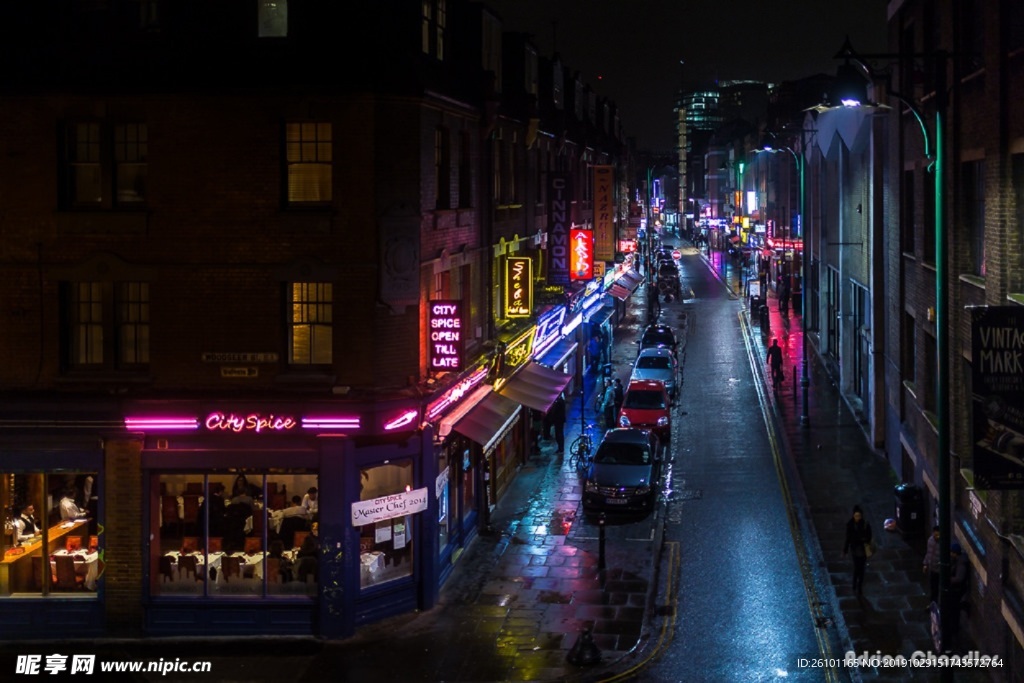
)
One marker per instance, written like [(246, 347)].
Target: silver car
[(657, 364)]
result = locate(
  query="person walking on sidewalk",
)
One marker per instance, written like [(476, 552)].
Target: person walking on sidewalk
[(620, 396), (606, 404), (858, 536), (931, 564), (775, 362), (556, 419)]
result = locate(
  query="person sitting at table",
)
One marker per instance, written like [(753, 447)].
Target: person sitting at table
[(294, 510), (284, 565), (26, 526), (69, 509), (307, 559), (309, 501)]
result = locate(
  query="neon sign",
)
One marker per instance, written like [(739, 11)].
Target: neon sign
[(253, 422), (330, 423), (445, 321), (549, 330), (518, 287), (582, 254), (402, 420), (518, 350), (454, 394), (162, 423)]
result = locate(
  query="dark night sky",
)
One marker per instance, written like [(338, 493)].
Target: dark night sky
[(629, 50)]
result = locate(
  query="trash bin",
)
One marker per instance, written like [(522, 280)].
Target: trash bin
[(910, 510), (755, 305)]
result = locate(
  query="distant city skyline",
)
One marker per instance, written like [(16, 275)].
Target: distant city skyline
[(638, 52)]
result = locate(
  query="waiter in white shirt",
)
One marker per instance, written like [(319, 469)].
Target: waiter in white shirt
[(69, 509), (309, 501)]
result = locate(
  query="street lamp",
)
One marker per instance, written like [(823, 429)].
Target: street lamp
[(800, 161), (851, 92)]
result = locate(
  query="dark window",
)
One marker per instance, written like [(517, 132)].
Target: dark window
[(442, 168), (928, 218), (465, 170), (931, 365), (105, 165), (908, 210), (972, 182), (272, 18), (1017, 231), (908, 356), (107, 325)]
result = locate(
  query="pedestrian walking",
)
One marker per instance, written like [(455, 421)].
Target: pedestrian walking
[(931, 564), (556, 419), (784, 293), (606, 404), (620, 395), (959, 584), (858, 542)]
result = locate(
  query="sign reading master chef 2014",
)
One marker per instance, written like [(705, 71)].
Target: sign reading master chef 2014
[(389, 507), (445, 335)]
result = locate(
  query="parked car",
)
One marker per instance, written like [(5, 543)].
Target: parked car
[(646, 405), (659, 336), (624, 472), (659, 364)]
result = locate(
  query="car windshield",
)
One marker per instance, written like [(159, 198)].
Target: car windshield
[(658, 338), (644, 400), (654, 363), (622, 454)]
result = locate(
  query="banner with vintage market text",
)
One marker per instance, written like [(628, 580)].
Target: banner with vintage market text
[(997, 396)]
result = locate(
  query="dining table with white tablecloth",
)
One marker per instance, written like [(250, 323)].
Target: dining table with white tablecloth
[(86, 563), (251, 564)]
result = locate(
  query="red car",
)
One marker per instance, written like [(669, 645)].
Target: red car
[(646, 405)]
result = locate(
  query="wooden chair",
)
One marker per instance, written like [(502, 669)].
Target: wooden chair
[(94, 543), (194, 488), (67, 577), (169, 513), (187, 565), (258, 522), (215, 544), (230, 567), (278, 501), (190, 520), (271, 487), (166, 568), (299, 537), (73, 543), (189, 544), (253, 544), (273, 570)]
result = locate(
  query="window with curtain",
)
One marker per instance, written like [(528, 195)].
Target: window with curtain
[(107, 325), (85, 170), (131, 147), (309, 159), (105, 165), (311, 324)]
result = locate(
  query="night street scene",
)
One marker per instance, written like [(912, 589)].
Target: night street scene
[(474, 341)]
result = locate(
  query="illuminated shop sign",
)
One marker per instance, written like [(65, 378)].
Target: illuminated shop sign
[(604, 210), (549, 325), (454, 394), (582, 254), (405, 418), (250, 422), (559, 201), (518, 350), (162, 423), (518, 287), (445, 335)]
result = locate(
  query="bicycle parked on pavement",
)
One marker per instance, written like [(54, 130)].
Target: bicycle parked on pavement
[(581, 450)]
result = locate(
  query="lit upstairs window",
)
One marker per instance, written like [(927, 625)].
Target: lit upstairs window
[(309, 162), (311, 324), (272, 18)]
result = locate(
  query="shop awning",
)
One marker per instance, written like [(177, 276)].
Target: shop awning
[(625, 285), (489, 420), (557, 354), (631, 279), (535, 386), (601, 315)]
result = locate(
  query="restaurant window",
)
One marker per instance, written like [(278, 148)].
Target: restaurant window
[(386, 546), (309, 155), (469, 502), (272, 17), (107, 325), (444, 502), (50, 543), (311, 323), (233, 533)]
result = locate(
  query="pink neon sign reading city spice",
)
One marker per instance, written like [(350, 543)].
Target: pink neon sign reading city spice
[(253, 422)]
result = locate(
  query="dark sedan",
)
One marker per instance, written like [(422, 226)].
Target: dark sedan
[(624, 472)]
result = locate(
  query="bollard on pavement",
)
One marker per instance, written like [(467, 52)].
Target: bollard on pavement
[(584, 651)]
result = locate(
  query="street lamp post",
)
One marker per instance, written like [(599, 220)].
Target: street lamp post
[(800, 161), (937, 145)]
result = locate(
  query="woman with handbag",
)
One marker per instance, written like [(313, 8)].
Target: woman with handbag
[(859, 546)]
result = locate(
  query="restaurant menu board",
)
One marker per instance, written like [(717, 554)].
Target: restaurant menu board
[(997, 396)]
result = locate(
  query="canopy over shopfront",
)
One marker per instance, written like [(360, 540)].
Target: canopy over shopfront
[(535, 386), (488, 421), (624, 287)]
